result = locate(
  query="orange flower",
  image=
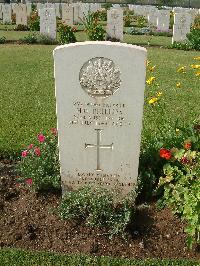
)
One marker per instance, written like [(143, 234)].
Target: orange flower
[(187, 145)]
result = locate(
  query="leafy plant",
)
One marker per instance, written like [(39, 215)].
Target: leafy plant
[(194, 38), (127, 20), (21, 27), (45, 39), (93, 29), (66, 34), (39, 163), (2, 39), (30, 38), (34, 21), (98, 209), (181, 46), (181, 183), (141, 21)]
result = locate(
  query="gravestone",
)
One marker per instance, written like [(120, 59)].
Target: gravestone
[(57, 10), (182, 23), (48, 22), (114, 27), (1, 13), (77, 11), (39, 7), (99, 97), (68, 14), (28, 9), (152, 14), (6, 10), (163, 20), (21, 14)]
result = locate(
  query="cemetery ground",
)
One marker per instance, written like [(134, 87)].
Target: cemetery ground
[(29, 220)]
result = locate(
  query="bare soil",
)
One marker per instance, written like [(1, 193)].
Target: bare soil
[(30, 221)]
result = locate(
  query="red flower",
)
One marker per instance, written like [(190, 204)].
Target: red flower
[(185, 160), (164, 153), (37, 152), (30, 146), (187, 145), (29, 181), (24, 153), (41, 138)]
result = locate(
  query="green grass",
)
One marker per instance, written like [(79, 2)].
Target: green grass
[(25, 258), (28, 104)]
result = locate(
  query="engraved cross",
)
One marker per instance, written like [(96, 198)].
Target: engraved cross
[(114, 30), (98, 146)]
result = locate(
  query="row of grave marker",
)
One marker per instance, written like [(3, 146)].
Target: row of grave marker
[(72, 14)]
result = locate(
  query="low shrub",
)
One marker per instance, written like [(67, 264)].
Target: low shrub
[(194, 38), (45, 39), (97, 208), (39, 165), (93, 29), (21, 27), (181, 46), (127, 20), (34, 21), (181, 183), (2, 40), (66, 34), (30, 38)]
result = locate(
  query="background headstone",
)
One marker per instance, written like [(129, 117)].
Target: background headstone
[(48, 22), (99, 95), (6, 9), (68, 14), (163, 20), (182, 23), (114, 27), (21, 14)]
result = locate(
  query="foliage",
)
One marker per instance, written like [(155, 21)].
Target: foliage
[(194, 38), (30, 38), (127, 20), (102, 14), (16, 257), (2, 39), (39, 163), (21, 27), (66, 34), (13, 18), (141, 21), (106, 6), (181, 183), (180, 46), (93, 29), (97, 208), (34, 21), (45, 39)]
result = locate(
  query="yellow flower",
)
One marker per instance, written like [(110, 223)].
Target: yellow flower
[(153, 100), (178, 84), (150, 80), (181, 69), (159, 93), (152, 68), (148, 62), (197, 58), (195, 66), (177, 130), (197, 74)]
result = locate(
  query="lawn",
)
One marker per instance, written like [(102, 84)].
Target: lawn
[(21, 258), (28, 104)]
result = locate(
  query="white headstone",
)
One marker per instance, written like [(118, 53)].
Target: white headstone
[(182, 23), (48, 22), (77, 11), (28, 9), (163, 20), (6, 9), (68, 14), (99, 95), (39, 7), (1, 13), (21, 14), (152, 14), (57, 8), (114, 27)]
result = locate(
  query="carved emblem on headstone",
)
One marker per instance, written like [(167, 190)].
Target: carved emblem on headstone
[(100, 77)]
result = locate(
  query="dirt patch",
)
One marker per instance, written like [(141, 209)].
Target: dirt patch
[(30, 221)]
